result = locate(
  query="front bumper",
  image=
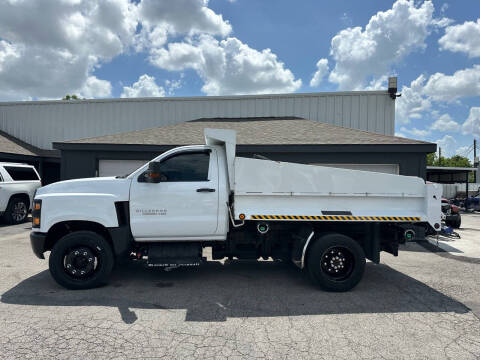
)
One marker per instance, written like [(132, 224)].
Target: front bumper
[(38, 240)]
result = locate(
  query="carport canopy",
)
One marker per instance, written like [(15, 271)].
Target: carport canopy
[(448, 175)]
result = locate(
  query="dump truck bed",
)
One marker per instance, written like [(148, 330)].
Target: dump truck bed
[(271, 190)]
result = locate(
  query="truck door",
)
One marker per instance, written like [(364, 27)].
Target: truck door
[(184, 204)]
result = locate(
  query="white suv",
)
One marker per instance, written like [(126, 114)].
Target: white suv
[(18, 183)]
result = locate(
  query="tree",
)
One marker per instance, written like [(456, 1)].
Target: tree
[(457, 161), (71, 97), (431, 158), (454, 161)]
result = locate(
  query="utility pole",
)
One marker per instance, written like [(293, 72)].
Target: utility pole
[(475, 160), (439, 156)]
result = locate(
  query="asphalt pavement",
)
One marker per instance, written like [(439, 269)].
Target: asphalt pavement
[(423, 304)]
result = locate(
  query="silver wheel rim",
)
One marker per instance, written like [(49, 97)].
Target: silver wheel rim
[(19, 211)]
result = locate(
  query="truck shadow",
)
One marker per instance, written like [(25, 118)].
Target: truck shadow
[(215, 292)]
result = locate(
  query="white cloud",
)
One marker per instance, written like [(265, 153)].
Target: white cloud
[(445, 124), (442, 22), (173, 85), (378, 83), (448, 144), (462, 38), (184, 17), (94, 87), (399, 134), (418, 133), (51, 48), (472, 125), (387, 38), (412, 102), (227, 66), (322, 70), (439, 88), (463, 83), (144, 87)]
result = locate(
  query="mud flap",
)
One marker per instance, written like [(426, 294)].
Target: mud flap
[(300, 244), (371, 245)]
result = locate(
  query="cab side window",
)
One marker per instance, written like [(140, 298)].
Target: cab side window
[(188, 166)]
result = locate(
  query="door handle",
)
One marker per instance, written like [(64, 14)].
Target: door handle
[(205, 190)]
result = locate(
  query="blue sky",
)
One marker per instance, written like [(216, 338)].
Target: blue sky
[(118, 48)]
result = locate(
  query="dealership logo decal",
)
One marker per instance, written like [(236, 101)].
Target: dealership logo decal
[(152, 211)]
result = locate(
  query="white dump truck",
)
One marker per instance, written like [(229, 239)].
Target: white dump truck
[(325, 220)]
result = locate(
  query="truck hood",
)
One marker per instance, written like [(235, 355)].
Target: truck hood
[(118, 187)]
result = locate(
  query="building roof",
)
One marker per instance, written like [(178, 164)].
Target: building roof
[(447, 169), (253, 131), (194, 98), (11, 145)]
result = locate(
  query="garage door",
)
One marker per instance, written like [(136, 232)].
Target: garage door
[(381, 168), (118, 167)]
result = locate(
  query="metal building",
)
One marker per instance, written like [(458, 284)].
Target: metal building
[(353, 122), (40, 123)]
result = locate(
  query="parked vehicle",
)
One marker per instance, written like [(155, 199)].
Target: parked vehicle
[(18, 183), (452, 214), (325, 220), (474, 202)]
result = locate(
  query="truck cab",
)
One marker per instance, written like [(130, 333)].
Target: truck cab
[(191, 189), (326, 221)]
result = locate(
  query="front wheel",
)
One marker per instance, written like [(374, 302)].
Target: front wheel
[(17, 211), (81, 260), (336, 262)]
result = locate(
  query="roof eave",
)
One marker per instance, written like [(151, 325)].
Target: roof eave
[(420, 147)]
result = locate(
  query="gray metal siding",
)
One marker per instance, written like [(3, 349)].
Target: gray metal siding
[(41, 123)]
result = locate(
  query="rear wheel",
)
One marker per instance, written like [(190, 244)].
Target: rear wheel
[(81, 260), (17, 211), (336, 262), (455, 221)]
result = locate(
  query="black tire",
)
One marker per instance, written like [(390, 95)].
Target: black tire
[(17, 211), (454, 222), (335, 262), (76, 249)]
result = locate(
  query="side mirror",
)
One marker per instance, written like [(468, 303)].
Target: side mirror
[(153, 174)]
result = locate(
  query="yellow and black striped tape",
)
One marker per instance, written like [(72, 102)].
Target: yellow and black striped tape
[(335, 218)]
